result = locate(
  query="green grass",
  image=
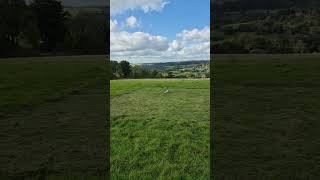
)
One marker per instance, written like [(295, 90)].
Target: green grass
[(156, 135), (266, 119), (60, 177), (266, 116), (27, 82), (53, 117)]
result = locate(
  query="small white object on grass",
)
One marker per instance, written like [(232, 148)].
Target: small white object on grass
[(166, 91)]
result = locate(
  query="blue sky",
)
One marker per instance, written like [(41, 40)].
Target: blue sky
[(175, 17), (145, 31)]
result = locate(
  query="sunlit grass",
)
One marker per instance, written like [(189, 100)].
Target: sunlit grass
[(157, 135)]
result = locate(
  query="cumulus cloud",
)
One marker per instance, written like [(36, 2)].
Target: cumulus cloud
[(119, 6), (175, 46), (195, 35), (126, 41), (113, 25), (143, 47), (122, 42), (191, 44), (132, 22)]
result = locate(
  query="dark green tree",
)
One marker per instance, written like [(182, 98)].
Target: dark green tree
[(88, 32), (154, 73), (12, 21), (51, 19), (136, 71), (113, 65), (125, 68)]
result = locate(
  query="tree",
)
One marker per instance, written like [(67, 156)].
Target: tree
[(88, 32), (136, 71), (12, 21), (145, 73), (51, 19), (125, 68), (114, 69), (31, 32), (300, 47), (154, 73)]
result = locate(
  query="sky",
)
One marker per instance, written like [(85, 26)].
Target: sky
[(149, 31)]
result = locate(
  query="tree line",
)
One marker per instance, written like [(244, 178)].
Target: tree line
[(124, 69), (46, 27)]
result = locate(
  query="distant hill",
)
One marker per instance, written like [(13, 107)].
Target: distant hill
[(82, 3), (91, 10), (177, 63), (165, 65), (266, 26), (242, 5), (182, 69)]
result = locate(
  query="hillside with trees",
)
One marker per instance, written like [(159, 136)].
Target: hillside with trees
[(278, 27), (244, 5), (185, 69)]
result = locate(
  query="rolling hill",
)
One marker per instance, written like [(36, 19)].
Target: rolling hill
[(242, 5)]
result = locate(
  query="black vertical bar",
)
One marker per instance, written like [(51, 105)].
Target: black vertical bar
[(108, 93), (211, 92)]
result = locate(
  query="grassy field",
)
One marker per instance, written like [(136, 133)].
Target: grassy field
[(160, 136), (26, 82), (265, 120), (52, 116), (266, 116)]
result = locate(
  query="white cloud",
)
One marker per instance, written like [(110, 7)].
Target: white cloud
[(175, 46), (122, 41), (191, 44), (195, 35), (143, 47), (113, 25), (119, 6), (132, 22)]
